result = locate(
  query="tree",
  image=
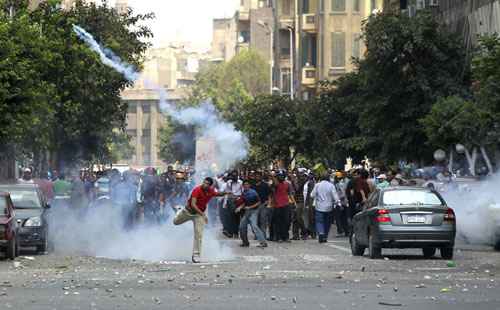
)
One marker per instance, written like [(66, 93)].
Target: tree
[(88, 105), (454, 120), (409, 64)]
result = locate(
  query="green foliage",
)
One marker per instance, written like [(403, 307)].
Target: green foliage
[(119, 147), (230, 87), (410, 63)]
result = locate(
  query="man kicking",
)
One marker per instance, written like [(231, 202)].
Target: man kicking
[(195, 211)]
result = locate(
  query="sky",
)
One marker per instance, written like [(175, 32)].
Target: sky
[(184, 20)]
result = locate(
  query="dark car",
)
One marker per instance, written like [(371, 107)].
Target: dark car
[(8, 233), (404, 217), (31, 215)]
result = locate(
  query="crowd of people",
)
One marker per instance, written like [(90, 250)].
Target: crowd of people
[(277, 205)]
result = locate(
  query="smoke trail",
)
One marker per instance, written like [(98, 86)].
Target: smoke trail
[(231, 145), (477, 207), (107, 56)]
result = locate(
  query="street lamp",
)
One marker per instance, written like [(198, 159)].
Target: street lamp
[(266, 26)]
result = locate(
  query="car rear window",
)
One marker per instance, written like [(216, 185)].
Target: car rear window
[(411, 197), (3, 205), (25, 199)]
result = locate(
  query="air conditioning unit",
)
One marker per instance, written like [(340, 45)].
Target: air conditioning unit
[(309, 22)]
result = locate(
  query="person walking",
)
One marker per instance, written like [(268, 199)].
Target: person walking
[(231, 220), (309, 205), (264, 191), (298, 224), (325, 197), (282, 197), (250, 203), (195, 212), (340, 210)]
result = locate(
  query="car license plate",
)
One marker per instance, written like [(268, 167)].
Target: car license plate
[(415, 219)]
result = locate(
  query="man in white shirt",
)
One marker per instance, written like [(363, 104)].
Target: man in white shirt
[(27, 177), (325, 198)]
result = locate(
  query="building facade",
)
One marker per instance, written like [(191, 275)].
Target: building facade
[(172, 68), (305, 41), (468, 18)]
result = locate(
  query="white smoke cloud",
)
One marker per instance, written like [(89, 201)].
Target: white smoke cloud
[(100, 231), (477, 207)]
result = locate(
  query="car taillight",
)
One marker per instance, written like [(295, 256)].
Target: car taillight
[(449, 216), (383, 216)]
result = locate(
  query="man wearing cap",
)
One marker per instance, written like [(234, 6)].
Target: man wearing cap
[(382, 181), (195, 211), (27, 177)]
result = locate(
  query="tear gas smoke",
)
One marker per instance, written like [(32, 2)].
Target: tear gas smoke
[(100, 232), (477, 207)]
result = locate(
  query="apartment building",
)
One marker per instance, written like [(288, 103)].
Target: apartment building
[(305, 41), (468, 18)]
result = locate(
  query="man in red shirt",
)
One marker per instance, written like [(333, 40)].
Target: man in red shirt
[(283, 197), (195, 211)]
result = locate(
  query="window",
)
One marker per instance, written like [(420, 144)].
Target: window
[(356, 45), (338, 5), (286, 8), (305, 6), (338, 49), (285, 81), (356, 5), (3, 205), (411, 197), (309, 51), (131, 108)]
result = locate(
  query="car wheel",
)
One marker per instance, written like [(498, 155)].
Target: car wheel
[(447, 252), (11, 249), (373, 250), (429, 252), (356, 248)]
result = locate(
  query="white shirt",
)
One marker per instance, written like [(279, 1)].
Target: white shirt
[(236, 188), (325, 196)]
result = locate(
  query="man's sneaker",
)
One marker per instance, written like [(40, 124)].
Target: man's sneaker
[(195, 259), (262, 245), (295, 238), (245, 245), (225, 233)]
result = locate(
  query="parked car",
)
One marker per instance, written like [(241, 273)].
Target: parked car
[(31, 215), (404, 217), (8, 232)]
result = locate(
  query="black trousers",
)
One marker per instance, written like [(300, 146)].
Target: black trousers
[(281, 223), (340, 215)]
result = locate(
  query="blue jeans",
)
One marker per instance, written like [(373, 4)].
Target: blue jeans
[(323, 223), (250, 218)]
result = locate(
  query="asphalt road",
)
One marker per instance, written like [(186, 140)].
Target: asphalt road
[(299, 275)]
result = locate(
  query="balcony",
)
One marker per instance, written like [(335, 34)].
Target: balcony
[(309, 78), (309, 23)]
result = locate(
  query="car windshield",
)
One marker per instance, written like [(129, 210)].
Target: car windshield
[(411, 197), (24, 198)]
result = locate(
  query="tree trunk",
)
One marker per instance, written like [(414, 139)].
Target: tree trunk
[(471, 160), (486, 159)]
